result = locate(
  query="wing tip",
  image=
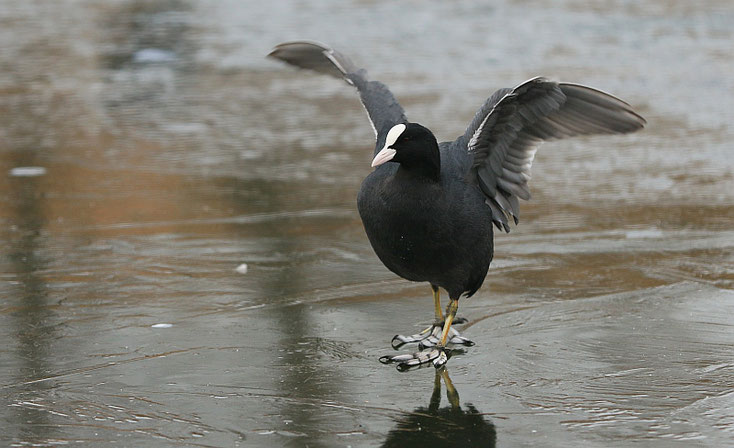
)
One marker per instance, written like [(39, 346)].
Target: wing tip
[(315, 56), (283, 46), (636, 121)]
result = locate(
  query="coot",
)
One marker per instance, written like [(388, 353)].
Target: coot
[(429, 208)]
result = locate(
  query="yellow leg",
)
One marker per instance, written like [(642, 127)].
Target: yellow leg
[(450, 314), (451, 392), (437, 302)]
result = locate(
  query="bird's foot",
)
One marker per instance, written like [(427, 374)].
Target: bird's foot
[(430, 336), (435, 356)]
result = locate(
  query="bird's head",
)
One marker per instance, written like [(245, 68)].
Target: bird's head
[(414, 147)]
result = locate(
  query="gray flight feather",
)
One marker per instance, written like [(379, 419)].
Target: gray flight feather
[(383, 109), (507, 130)]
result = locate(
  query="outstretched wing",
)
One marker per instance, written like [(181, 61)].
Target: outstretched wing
[(507, 130), (383, 109)]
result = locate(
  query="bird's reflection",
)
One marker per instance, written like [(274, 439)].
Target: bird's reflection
[(450, 426)]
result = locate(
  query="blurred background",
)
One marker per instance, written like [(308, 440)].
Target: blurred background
[(148, 149)]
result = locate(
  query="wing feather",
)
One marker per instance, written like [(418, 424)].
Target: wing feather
[(507, 131), (382, 108)]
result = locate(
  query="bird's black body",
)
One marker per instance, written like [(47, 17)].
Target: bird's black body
[(428, 208), (429, 228)]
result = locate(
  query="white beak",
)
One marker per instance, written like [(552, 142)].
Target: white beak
[(385, 155)]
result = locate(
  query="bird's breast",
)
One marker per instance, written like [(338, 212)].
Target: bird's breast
[(405, 225)]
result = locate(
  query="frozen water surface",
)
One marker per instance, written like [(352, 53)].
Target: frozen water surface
[(173, 152)]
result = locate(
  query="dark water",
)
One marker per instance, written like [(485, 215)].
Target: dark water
[(169, 152)]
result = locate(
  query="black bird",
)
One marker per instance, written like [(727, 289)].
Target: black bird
[(447, 427), (428, 208)]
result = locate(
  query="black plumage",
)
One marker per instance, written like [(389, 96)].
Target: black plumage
[(429, 208)]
